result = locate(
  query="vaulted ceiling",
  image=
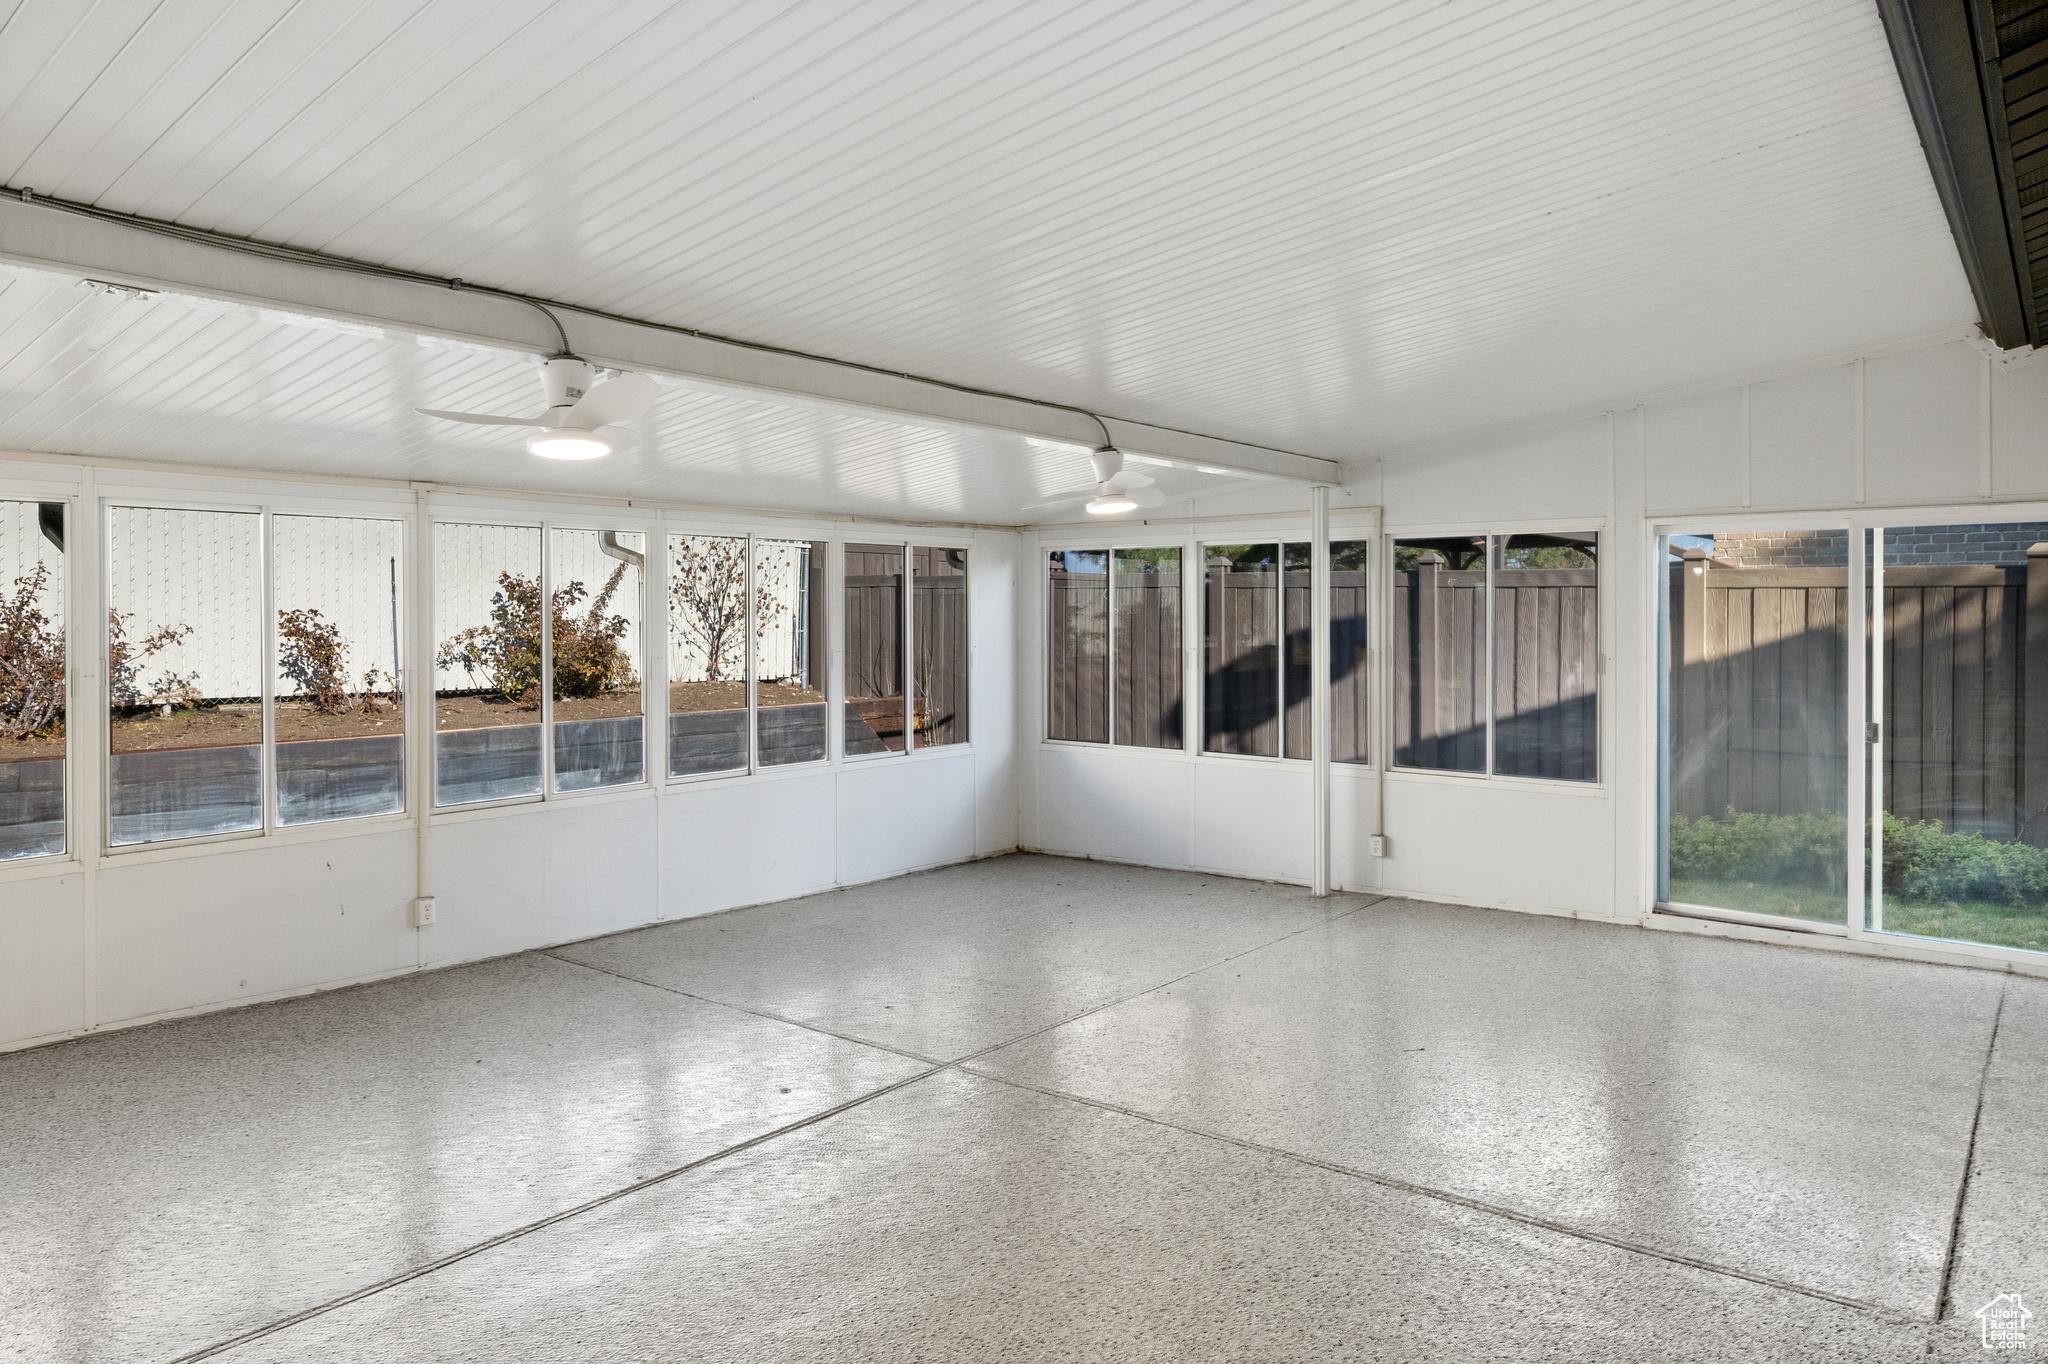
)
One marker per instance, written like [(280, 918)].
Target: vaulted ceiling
[(1327, 227)]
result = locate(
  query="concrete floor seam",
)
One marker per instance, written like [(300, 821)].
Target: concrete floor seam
[(1160, 985), (1460, 1200), (753, 1012), (541, 1224), (994, 1046), (1955, 1226)]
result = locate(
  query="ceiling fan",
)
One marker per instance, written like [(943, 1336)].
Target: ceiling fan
[(582, 417), (1116, 489)]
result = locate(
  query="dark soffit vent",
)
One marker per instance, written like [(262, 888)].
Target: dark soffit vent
[(1975, 73)]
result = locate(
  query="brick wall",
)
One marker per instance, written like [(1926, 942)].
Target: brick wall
[(1905, 546)]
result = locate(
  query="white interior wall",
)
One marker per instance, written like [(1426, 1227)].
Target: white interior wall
[(96, 939), (1939, 426)]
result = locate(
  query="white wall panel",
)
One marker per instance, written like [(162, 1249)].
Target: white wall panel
[(1353, 794), (1923, 429), (904, 813), (547, 874), (2019, 429), (1252, 819), (251, 919), (1552, 471), (1693, 451), (42, 966), (1123, 804), (1499, 844), (734, 843), (1802, 439)]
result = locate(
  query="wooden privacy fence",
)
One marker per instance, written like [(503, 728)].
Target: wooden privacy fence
[(1759, 682), (1545, 663)]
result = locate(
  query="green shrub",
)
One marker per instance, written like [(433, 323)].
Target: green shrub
[(1921, 862), (1786, 849), (590, 652)]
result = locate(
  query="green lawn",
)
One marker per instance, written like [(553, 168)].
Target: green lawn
[(1977, 921)]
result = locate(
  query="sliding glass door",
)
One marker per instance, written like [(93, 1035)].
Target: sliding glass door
[(1854, 729), (1958, 753), (1754, 705)]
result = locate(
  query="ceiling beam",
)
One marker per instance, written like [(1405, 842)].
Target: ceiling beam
[(59, 239)]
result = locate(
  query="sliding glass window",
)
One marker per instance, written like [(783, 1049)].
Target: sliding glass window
[(340, 713), (1259, 650), (1496, 655), (1146, 649), (1241, 649), (789, 651), (1350, 670), (1753, 700), (1077, 645), (596, 593), (1440, 653), (487, 662), (938, 639), (184, 673), (876, 702), (1545, 657), (707, 654), (33, 679)]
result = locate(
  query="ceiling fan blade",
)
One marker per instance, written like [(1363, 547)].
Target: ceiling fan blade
[(1130, 478), (621, 437), (479, 419), (1146, 497), (614, 401)]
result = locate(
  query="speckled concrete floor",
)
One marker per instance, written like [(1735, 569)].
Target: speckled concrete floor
[(1038, 1109)]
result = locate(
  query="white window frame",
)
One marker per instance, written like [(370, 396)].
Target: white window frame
[(1348, 525)]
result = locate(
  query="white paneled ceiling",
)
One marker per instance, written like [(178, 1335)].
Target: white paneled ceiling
[(181, 382), (1327, 226)]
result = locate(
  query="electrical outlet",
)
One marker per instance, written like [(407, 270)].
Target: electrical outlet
[(423, 911), (1379, 846)]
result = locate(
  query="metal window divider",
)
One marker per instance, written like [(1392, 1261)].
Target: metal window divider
[(752, 661), (266, 691), (1496, 545), (1871, 619), (1109, 641), (547, 660)]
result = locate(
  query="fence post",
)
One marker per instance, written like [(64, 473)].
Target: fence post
[(1425, 659), (2033, 698)]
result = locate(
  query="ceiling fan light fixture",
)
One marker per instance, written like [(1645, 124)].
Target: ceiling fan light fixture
[(1109, 504), (568, 442)]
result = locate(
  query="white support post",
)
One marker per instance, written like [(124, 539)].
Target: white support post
[(1319, 679), (1858, 754), (418, 678), (86, 719)]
